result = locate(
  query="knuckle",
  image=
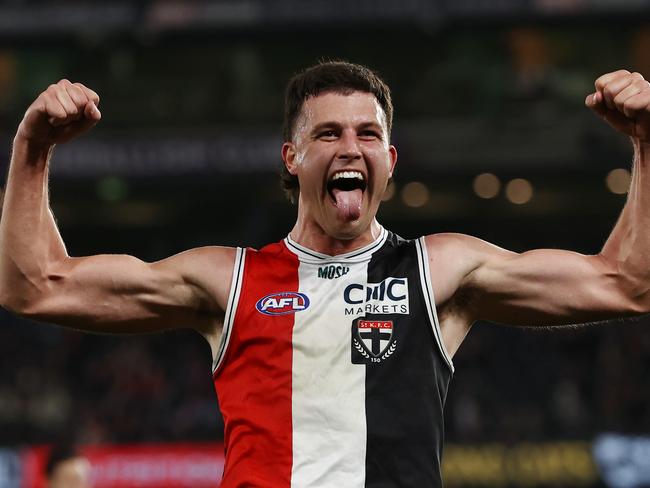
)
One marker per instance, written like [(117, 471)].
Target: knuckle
[(608, 91), (77, 92), (639, 85), (55, 112), (636, 101), (630, 109)]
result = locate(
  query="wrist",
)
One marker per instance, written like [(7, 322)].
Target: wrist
[(29, 148)]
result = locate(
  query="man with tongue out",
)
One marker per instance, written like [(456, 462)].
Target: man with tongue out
[(332, 349), (337, 134)]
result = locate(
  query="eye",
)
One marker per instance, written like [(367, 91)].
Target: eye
[(328, 135), (369, 134)]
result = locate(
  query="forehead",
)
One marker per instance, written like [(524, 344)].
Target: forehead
[(351, 109)]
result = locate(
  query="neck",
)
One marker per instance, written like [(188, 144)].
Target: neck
[(311, 235)]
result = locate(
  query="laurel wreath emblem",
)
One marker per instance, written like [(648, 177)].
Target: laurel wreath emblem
[(390, 351), (361, 350)]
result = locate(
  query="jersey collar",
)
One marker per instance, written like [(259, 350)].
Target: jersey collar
[(304, 253)]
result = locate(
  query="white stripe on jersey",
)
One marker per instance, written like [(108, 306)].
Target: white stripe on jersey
[(430, 300), (231, 308), (329, 398)]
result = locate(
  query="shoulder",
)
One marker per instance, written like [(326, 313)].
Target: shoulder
[(454, 259), (201, 260), (445, 240), (462, 248), (455, 248), (207, 270)]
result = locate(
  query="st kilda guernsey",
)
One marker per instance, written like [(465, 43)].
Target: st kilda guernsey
[(331, 370)]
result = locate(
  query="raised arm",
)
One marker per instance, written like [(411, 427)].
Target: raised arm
[(553, 287), (104, 293)]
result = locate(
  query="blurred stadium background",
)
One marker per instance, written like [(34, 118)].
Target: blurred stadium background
[(494, 141)]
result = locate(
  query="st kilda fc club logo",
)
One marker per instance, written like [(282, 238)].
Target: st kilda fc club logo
[(373, 340)]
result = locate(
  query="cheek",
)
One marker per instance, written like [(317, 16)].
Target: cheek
[(310, 172), (315, 158), (377, 149), (381, 159)]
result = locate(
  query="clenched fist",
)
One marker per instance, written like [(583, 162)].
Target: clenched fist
[(623, 100), (62, 112)]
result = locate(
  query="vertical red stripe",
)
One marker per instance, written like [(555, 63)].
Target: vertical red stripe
[(254, 382)]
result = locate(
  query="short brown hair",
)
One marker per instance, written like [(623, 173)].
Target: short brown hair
[(328, 76)]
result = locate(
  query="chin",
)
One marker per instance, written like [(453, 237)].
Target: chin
[(348, 230)]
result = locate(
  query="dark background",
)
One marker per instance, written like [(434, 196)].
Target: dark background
[(187, 154)]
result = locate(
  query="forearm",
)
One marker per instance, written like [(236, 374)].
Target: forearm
[(29, 239), (627, 249)]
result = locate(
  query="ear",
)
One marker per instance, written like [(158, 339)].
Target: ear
[(289, 157), (392, 151)]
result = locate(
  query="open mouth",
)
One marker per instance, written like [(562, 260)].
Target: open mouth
[(345, 181)]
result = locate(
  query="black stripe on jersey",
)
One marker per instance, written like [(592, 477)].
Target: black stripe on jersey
[(406, 390)]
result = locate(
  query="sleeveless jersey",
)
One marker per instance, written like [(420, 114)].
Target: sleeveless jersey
[(331, 371)]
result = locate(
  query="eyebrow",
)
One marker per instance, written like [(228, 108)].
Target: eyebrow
[(373, 125), (325, 125)]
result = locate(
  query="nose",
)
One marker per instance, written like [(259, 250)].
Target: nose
[(348, 146)]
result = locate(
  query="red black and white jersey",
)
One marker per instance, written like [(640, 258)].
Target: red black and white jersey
[(331, 370)]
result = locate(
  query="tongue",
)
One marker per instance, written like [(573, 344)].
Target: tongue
[(348, 203)]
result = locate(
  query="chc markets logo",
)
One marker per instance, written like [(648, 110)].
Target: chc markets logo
[(282, 303)]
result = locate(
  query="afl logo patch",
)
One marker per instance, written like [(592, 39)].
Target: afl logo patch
[(282, 303)]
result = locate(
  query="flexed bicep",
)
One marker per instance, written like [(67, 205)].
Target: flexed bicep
[(551, 287), (122, 294), (548, 287), (103, 293)]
